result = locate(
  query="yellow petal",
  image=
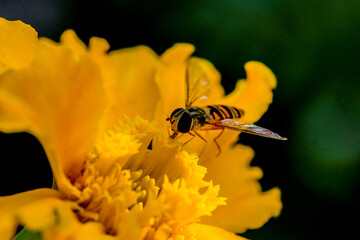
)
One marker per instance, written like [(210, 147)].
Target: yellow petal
[(127, 74), (130, 84), (254, 94), (92, 231), (41, 214), (18, 43), (8, 226), (70, 39), (247, 206), (56, 220), (206, 232), (129, 228), (9, 208), (10, 203), (60, 101)]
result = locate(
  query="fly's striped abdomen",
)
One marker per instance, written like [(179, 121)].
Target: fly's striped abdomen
[(220, 112)]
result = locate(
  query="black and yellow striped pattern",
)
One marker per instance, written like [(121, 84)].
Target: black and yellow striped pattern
[(220, 112)]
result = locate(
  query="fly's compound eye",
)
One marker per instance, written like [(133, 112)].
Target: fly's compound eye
[(185, 122)]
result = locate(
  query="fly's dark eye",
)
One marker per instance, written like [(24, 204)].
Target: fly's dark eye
[(185, 122)]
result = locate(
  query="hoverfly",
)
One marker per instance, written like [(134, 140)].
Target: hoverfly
[(211, 117)]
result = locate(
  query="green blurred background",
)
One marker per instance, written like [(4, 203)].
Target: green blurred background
[(312, 46)]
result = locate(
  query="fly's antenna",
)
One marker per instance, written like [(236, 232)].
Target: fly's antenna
[(167, 117)]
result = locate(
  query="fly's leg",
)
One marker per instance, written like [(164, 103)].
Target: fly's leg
[(201, 137), (217, 145), (168, 128), (193, 135), (173, 136), (188, 140)]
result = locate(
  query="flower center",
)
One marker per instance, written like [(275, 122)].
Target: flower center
[(109, 199), (150, 193)]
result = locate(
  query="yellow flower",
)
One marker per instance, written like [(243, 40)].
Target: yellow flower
[(97, 114)]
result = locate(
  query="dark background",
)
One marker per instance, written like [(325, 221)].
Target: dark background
[(313, 48)]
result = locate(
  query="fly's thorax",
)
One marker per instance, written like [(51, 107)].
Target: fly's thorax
[(181, 120), (199, 117)]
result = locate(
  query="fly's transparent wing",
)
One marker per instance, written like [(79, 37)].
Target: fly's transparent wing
[(197, 82), (247, 128)]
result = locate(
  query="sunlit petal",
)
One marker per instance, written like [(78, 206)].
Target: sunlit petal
[(18, 43), (254, 94), (49, 100), (247, 206), (9, 208), (207, 232), (130, 84)]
